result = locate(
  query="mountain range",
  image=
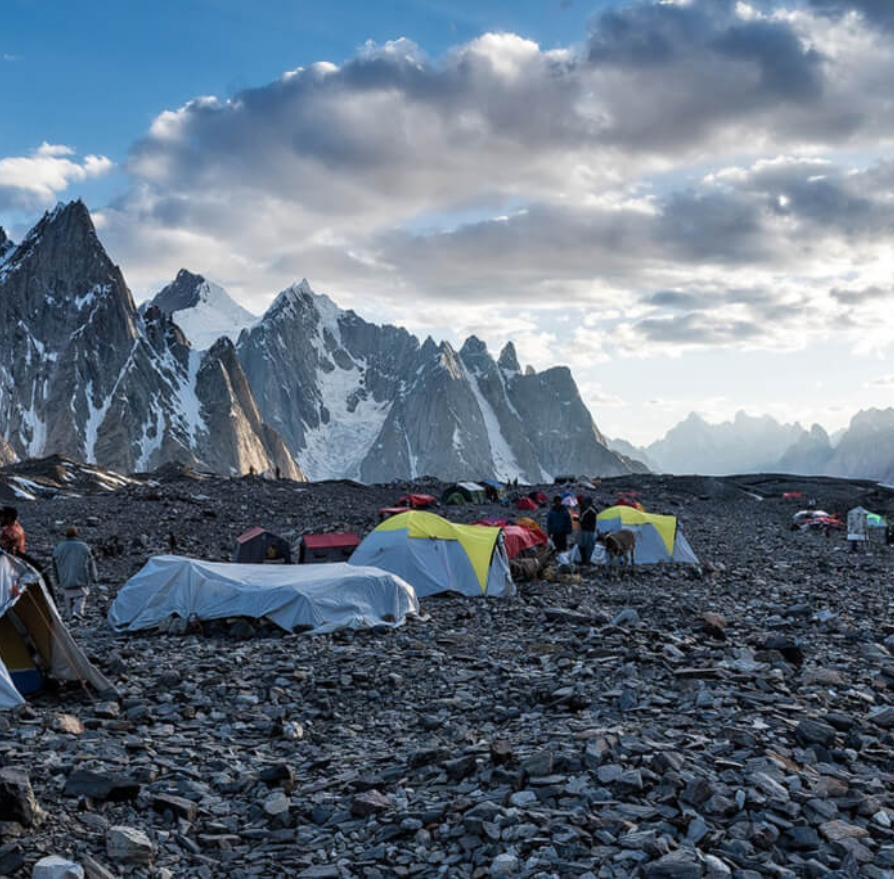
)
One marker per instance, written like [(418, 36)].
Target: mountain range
[(753, 444), (307, 388)]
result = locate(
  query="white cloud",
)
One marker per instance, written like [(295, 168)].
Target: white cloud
[(35, 180)]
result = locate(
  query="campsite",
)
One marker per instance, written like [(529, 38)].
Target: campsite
[(689, 719)]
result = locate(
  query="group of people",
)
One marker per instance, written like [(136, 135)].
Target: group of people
[(73, 564), (559, 527)]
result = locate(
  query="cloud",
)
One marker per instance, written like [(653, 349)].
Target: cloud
[(877, 11), (675, 180), (882, 381), (10, 58), (35, 180)]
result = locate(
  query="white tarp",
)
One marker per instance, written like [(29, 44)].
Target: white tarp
[(322, 598)]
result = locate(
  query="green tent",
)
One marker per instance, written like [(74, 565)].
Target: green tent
[(472, 492)]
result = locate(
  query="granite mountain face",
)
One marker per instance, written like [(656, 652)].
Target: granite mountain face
[(371, 402), (84, 375)]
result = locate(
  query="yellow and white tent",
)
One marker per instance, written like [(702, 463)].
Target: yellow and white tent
[(434, 555), (658, 538)]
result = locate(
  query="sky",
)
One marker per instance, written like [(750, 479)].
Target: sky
[(689, 202)]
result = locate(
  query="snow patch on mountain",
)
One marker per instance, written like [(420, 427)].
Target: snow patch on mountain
[(349, 420), (506, 465)]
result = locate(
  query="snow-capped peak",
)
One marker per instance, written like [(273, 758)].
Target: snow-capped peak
[(202, 309)]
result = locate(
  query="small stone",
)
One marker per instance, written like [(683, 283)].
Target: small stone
[(504, 865), (277, 804), (501, 752), (127, 845), (815, 732), (55, 867), (369, 802), (278, 774), (538, 765), (715, 868), (179, 806), (826, 786), (523, 798), (107, 710), (837, 830), (677, 865), (17, 802), (68, 724), (627, 617), (801, 839), (461, 767), (99, 786), (883, 718), (292, 731)]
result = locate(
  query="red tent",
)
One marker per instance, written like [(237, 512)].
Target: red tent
[(517, 539), (336, 547), (539, 498), (525, 503), (417, 501), (792, 495)]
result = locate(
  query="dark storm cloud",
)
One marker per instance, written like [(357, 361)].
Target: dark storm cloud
[(679, 71), (698, 329)]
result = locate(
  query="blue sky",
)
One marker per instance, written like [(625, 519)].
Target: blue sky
[(684, 200)]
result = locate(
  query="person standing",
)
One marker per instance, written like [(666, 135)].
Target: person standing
[(559, 525), (75, 572), (587, 532), (12, 535)]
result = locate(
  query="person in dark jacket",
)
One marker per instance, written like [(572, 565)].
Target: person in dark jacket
[(75, 572), (558, 525), (587, 532)]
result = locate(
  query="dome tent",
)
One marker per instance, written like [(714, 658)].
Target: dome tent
[(465, 492), (658, 538), (434, 555)]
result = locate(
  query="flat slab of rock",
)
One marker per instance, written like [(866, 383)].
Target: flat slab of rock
[(127, 845), (99, 786), (837, 830)]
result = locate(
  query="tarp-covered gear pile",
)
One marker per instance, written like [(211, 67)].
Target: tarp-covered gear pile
[(435, 555), (34, 642), (815, 520), (464, 493), (319, 598), (258, 546), (658, 538)]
